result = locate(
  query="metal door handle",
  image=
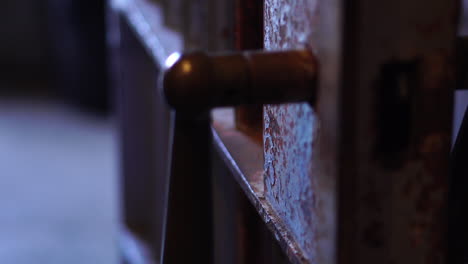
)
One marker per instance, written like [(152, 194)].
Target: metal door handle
[(195, 83), (200, 81)]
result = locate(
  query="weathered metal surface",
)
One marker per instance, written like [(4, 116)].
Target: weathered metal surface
[(403, 61), (300, 142), (382, 129), (351, 181), (201, 81), (244, 157)]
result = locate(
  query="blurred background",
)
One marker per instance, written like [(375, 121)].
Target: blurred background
[(58, 161)]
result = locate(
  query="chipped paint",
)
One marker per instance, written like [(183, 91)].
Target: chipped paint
[(299, 148), (385, 215), (399, 211), (288, 150), (288, 23)]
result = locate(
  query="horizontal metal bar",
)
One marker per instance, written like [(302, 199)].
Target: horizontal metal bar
[(200, 81)]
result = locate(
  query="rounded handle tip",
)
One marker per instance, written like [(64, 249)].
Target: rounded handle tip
[(186, 82)]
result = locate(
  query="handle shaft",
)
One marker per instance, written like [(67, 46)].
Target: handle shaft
[(199, 81)]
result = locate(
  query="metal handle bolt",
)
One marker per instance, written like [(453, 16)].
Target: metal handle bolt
[(200, 81)]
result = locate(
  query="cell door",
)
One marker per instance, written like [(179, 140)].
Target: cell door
[(350, 166), (361, 177)]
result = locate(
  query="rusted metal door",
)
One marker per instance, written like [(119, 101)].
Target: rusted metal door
[(300, 143), (359, 175), (362, 177)]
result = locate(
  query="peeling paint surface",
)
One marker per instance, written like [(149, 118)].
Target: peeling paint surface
[(288, 24), (299, 173), (288, 151), (323, 171)]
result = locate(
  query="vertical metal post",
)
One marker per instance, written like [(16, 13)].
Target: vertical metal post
[(137, 130), (143, 123), (189, 220)]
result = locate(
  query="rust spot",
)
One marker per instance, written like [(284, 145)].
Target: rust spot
[(275, 128)]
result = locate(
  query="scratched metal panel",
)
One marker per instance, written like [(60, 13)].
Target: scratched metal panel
[(402, 141), (300, 149), (379, 133)]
